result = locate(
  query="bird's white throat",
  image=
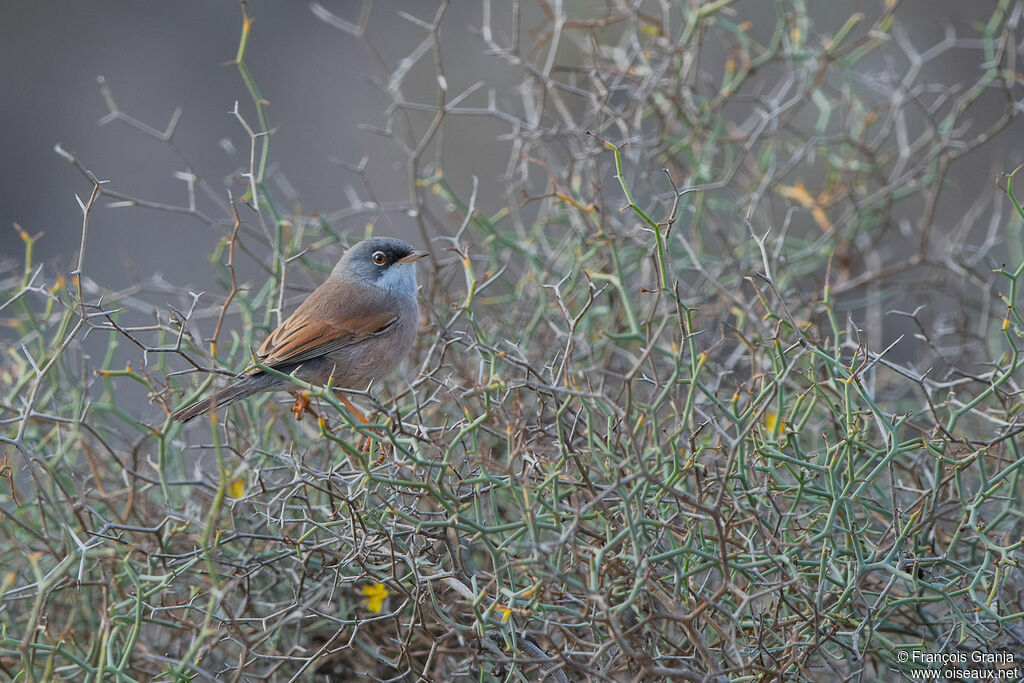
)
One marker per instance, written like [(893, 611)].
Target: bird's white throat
[(399, 279)]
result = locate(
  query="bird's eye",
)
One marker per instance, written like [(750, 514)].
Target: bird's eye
[(379, 258)]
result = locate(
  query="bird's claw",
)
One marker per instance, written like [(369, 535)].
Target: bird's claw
[(302, 402)]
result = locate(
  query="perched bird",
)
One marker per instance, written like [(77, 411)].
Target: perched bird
[(355, 327)]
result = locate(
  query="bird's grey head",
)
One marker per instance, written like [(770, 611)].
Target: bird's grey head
[(383, 262)]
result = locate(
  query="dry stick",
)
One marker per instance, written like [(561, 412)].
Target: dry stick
[(357, 30), (231, 270), (28, 285)]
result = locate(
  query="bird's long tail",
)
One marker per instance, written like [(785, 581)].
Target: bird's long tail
[(225, 397)]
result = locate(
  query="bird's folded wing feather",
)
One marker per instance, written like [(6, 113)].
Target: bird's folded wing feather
[(314, 330)]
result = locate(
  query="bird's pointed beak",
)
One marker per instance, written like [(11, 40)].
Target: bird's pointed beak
[(414, 256)]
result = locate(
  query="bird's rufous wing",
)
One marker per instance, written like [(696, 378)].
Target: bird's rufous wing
[(317, 327)]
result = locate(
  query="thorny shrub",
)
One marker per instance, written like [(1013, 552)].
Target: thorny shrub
[(722, 388)]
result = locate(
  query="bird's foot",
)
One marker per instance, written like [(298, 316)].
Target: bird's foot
[(366, 446), (302, 403), (385, 451), (365, 442)]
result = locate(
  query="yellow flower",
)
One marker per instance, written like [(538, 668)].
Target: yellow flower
[(770, 419), (375, 594), (816, 205), (237, 488), (505, 614)]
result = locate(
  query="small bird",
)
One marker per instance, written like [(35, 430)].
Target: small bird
[(355, 327)]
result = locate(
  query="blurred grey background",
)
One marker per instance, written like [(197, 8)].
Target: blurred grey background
[(156, 56)]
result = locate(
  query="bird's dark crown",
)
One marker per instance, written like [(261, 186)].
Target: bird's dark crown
[(393, 250)]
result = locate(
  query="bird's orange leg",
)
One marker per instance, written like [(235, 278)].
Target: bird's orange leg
[(351, 408), (363, 446)]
